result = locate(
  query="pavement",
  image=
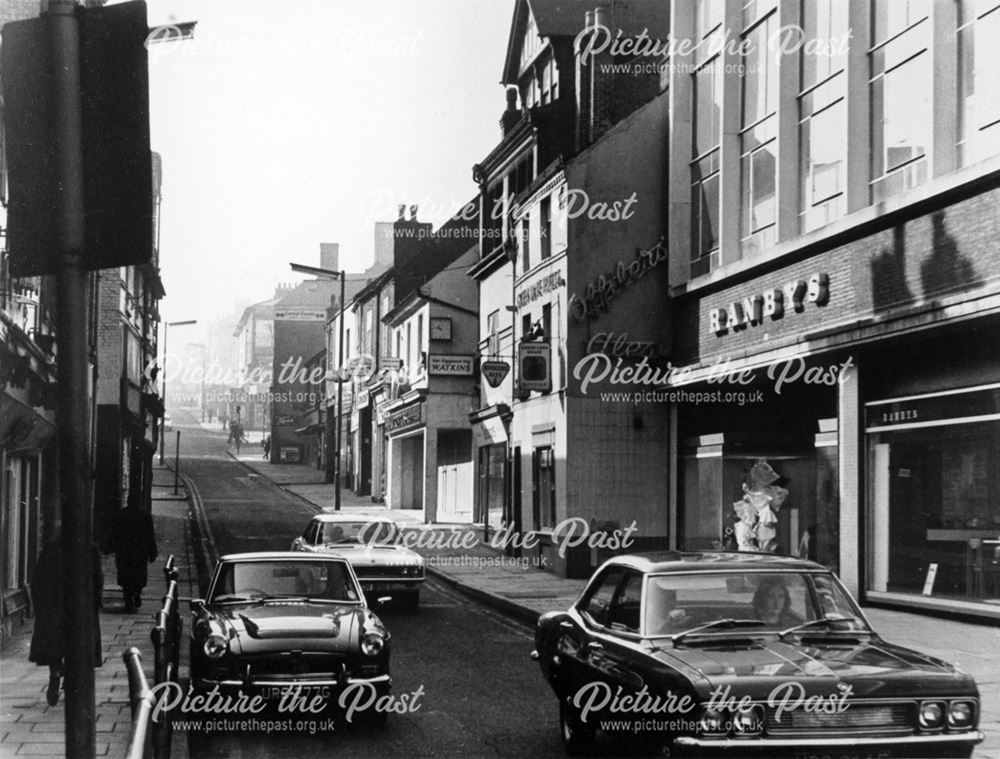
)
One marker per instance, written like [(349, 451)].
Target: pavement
[(28, 725), (461, 557)]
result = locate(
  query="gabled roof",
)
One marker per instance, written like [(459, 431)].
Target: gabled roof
[(566, 18)]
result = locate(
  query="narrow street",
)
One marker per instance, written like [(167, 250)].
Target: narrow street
[(483, 696)]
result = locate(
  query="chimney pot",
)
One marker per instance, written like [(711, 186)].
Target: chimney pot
[(413, 213), (402, 212)]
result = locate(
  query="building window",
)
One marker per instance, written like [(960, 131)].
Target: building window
[(367, 346), (545, 227), (524, 236), (823, 117), (758, 139), (420, 334), (901, 108), (707, 98), (544, 490), (493, 330), (978, 80)]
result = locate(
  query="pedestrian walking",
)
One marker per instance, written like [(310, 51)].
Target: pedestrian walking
[(48, 643), (266, 445), (135, 547)]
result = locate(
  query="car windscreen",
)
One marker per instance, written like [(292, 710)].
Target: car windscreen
[(249, 581), (776, 601), (369, 532)]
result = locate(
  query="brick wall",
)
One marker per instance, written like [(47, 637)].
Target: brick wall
[(913, 264)]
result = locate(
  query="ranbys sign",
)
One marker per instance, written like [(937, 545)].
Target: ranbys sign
[(772, 304)]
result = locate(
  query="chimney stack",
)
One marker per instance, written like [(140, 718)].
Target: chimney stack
[(329, 256), (402, 212), (413, 213), (512, 114)]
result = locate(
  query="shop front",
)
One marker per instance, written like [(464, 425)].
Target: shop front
[(933, 480), (406, 428)]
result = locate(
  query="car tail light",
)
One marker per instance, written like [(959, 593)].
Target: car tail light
[(932, 714), (961, 714)]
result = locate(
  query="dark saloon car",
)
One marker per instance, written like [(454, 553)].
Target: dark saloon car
[(279, 620), (740, 654), (371, 544)]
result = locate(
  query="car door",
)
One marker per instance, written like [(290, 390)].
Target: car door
[(599, 646), (308, 538)]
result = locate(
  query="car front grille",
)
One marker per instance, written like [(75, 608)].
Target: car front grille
[(293, 665), (857, 718)]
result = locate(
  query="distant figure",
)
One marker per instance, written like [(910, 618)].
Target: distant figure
[(47, 642), (223, 419), (135, 547), (266, 445)]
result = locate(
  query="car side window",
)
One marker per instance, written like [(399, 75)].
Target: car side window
[(597, 605), (624, 614), (309, 536)]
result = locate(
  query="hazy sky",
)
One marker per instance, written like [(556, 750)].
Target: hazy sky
[(284, 125)]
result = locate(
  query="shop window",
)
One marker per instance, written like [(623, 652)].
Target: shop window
[(901, 108), (978, 79), (933, 503)]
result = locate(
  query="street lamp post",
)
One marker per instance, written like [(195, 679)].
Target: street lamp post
[(166, 329), (341, 275)]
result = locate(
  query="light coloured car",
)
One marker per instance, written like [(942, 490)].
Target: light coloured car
[(372, 546)]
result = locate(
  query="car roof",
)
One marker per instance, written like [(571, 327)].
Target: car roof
[(349, 518), (283, 555), (712, 561)]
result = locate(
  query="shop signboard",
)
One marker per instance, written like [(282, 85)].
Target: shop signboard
[(405, 419), (456, 366)]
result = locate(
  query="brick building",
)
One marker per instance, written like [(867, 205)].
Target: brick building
[(835, 285)]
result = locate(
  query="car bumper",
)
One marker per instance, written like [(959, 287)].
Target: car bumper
[(390, 584), (898, 746), (272, 688)]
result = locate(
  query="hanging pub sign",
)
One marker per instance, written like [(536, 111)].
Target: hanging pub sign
[(772, 304), (495, 372), (534, 361)]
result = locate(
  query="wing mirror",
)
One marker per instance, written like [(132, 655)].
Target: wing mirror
[(197, 604)]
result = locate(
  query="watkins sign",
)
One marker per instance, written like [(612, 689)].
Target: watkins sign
[(752, 310)]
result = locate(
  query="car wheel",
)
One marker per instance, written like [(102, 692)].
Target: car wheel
[(577, 736)]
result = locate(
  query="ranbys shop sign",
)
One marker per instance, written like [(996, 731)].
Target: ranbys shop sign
[(772, 304)]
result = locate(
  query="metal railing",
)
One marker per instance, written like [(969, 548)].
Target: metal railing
[(152, 739)]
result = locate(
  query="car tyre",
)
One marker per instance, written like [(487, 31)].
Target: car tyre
[(577, 736)]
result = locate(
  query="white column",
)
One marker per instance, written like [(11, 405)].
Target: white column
[(850, 443)]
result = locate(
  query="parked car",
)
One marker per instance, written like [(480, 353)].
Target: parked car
[(277, 619), (383, 566), (740, 654)]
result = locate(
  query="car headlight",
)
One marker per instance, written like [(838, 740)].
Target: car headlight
[(931, 715), (960, 714), (712, 723), (372, 644), (215, 646), (750, 721)]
